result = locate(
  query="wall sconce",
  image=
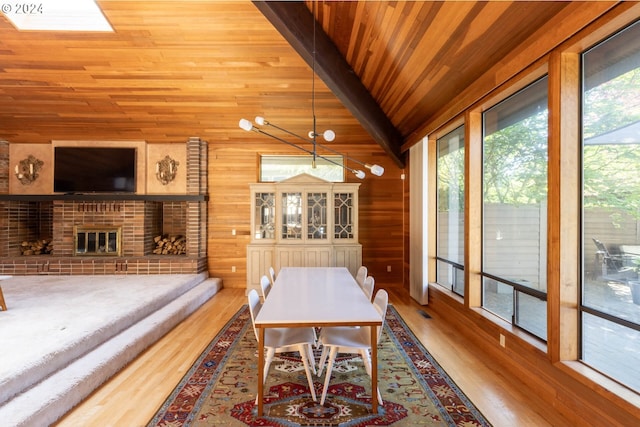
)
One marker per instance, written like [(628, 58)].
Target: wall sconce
[(166, 170), (27, 170)]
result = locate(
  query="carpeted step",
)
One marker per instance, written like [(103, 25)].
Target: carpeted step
[(51, 398), (37, 303)]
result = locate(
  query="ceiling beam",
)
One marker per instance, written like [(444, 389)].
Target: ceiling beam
[(296, 24)]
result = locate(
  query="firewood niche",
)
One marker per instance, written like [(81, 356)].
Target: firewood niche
[(170, 245), (36, 247)]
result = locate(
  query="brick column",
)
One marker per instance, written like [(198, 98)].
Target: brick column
[(4, 206), (196, 227), (4, 167)]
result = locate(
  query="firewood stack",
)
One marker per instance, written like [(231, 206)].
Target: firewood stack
[(36, 247), (170, 245)]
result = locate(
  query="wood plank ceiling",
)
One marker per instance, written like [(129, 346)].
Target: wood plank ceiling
[(175, 69)]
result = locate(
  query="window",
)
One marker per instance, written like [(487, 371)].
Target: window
[(611, 207), (277, 168), (514, 209), (450, 220)]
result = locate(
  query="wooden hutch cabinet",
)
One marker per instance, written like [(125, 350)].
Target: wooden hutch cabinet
[(303, 221)]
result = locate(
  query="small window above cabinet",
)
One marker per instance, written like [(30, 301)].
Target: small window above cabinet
[(305, 209)]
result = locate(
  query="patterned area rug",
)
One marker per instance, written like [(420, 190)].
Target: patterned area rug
[(221, 386)]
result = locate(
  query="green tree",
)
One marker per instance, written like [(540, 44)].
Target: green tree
[(451, 178), (612, 169), (515, 162)]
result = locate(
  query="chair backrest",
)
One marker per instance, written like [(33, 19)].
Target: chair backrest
[(368, 285), (254, 308), (272, 275), (361, 275), (601, 247), (380, 302), (612, 261), (265, 286)]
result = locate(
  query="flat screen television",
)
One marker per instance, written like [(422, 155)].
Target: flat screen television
[(94, 170)]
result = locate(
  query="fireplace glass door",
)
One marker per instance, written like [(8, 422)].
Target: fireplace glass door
[(97, 241)]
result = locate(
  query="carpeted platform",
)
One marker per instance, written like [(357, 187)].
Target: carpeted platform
[(63, 336)]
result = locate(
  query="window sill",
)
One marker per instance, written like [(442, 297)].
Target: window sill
[(601, 384)]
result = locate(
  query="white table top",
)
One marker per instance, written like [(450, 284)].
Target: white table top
[(316, 296)]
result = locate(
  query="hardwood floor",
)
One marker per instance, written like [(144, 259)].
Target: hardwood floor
[(132, 396)]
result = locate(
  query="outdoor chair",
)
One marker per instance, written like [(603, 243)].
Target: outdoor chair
[(615, 267)]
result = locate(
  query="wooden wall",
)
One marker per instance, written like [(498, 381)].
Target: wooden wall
[(233, 166)]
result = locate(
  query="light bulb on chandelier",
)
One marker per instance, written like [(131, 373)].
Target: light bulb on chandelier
[(328, 135), (246, 125)]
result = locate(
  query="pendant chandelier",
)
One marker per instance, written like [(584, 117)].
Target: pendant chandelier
[(313, 135)]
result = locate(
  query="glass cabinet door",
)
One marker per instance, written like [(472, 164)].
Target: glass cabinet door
[(292, 216), (343, 219), (317, 216), (265, 215)]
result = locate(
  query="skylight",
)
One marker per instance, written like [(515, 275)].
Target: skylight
[(56, 15)]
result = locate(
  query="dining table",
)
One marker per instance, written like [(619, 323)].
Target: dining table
[(317, 297)]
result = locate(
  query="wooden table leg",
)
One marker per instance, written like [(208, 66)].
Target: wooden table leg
[(374, 369), (260, 369), (2, 303)]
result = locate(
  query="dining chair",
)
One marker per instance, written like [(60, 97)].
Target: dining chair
[(345, 339), (272, 276), (265, 287), (368, 285), (361, 275), (280, 340)]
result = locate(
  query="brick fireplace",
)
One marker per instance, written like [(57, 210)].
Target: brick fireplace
[(123, 225)]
